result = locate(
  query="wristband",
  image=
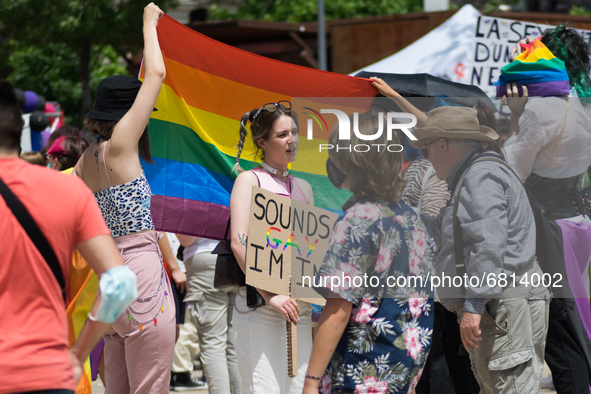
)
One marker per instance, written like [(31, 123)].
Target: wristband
[(312, 377)]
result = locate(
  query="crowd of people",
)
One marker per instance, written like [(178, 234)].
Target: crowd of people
[(469, 205)]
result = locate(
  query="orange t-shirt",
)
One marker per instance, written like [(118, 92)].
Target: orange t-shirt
[(33, 325)]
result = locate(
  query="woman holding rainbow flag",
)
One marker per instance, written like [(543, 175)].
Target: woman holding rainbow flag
[(139, 346)]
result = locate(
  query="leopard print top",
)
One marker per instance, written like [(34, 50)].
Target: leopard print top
[(126, 207)]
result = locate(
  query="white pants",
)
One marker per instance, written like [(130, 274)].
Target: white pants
[(186, 348), (261, 347)]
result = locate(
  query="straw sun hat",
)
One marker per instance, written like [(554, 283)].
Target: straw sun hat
[(452, 122)]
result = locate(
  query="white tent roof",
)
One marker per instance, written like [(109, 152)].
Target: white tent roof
[(444, 52)]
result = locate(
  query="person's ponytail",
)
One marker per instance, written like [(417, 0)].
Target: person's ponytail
[(243, 133)]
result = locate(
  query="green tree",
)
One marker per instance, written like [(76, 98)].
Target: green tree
[(306, 10), (65, 46), (52, 72), (580, 11)]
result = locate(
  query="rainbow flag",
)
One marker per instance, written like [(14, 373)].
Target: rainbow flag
[(538, 69), (81, 293), (208, 87)]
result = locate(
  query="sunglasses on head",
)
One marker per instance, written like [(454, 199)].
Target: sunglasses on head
[(272, 107), (425, 150)]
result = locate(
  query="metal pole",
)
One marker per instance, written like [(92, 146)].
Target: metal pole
[(321, 37)]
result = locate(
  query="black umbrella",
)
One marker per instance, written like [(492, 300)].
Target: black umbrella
[(426, 85)]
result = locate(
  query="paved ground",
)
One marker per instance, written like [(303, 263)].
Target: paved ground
[(97, 387)]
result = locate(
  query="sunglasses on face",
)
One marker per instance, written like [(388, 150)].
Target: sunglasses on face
[(272, 107), (425, 151)]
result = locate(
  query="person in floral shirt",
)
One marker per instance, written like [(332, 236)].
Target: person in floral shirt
[(375, 331)]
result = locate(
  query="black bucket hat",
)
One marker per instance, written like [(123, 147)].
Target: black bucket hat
[(114, 97)]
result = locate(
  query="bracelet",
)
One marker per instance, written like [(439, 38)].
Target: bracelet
[(312, 377)]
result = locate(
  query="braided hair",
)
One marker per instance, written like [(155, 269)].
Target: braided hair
[(261, 125), (573, 50)]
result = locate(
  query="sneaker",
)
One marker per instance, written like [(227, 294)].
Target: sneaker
[(172, 381), (185, 381)]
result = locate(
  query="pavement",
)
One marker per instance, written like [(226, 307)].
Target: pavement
[(98, 388)]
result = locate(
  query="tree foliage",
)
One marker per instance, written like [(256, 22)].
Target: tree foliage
[(62, 47), (306, 10), (53, 72), (579, 11)]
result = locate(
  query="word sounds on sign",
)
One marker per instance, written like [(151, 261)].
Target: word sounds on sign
[(286, 240)]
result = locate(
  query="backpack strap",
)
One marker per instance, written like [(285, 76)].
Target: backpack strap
[(34, 233), (458, 240)]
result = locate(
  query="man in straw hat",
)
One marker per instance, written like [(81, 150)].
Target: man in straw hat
[(483, 273)]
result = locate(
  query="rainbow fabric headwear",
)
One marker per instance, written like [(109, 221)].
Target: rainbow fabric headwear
[(208, 87), (538, 69)]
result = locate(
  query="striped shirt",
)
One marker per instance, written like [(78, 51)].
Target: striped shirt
[(436, 193)]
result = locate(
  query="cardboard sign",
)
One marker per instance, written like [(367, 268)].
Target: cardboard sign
[(287, 241), (493, 40)]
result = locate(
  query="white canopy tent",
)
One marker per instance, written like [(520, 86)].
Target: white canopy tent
[(444, 52), (469, 48)]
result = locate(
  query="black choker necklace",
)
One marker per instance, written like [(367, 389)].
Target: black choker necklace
[(277, 173)]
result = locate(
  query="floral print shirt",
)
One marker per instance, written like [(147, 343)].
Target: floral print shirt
[(376, 249)]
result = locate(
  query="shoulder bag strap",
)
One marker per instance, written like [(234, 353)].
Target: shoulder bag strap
[(34, 233), (227, 228), (458, 240)]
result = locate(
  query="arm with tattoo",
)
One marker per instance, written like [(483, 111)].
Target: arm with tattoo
[(243, 239)]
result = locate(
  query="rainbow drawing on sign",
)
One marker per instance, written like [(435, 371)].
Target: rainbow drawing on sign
[(312, 247), (277, 242), (294, 243)]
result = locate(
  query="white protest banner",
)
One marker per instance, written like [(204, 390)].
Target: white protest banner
[(286, 241), (493, 40)]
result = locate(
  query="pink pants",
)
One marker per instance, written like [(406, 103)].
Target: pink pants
[(139, 361)]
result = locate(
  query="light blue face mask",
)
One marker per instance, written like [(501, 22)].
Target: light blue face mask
[(118, 288)]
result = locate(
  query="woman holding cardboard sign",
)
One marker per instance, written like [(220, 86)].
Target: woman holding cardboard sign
[(373, 336), (261, 344)]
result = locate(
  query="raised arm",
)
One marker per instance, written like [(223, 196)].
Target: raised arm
[(129, 129), (403, 103)]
